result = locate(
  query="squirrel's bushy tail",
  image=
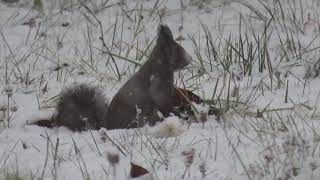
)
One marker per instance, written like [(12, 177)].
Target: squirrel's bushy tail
[(79, 107)]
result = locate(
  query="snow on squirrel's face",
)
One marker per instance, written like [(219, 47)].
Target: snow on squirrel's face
[(169, 52)]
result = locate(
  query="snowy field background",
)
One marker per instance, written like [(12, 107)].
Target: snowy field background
[(256, 60)]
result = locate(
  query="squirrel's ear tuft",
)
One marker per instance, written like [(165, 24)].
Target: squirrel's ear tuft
[(164, 33)]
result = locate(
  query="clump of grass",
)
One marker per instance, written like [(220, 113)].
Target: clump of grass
[(38, 5), (10, 176)]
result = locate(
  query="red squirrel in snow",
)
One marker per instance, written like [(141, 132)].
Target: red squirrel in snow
[(138, 101)]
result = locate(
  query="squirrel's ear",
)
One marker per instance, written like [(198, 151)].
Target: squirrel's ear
[(164, 33)]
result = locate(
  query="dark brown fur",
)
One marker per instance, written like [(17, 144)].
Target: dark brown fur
[(80, 107), (151, 88)]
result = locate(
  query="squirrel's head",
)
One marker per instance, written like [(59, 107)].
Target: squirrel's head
[(169, 51)]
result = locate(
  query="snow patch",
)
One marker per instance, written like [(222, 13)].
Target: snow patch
[(170, 127)]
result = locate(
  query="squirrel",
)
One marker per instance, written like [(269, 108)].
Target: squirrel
[(138, 101)]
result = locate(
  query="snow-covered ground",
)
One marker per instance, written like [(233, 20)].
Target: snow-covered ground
[(269, 129)]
